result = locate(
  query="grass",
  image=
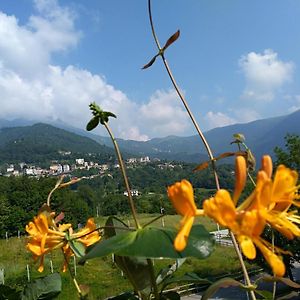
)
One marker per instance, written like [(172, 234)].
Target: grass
[(101, 275)]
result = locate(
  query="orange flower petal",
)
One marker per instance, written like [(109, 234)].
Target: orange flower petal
[(180, 241)]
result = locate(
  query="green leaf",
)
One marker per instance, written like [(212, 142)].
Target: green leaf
[(290, 295), (188, 277), (93, 123), (171, 295), (45, 288), (8, 293), (113, 226), (136, 269), (222, 283), (284, 280), (77, 247), (105, 115), (152, 242), (124, 296), (265, 294), (167, 272), (239, 137)]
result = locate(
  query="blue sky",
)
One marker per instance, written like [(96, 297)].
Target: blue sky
[(236, 61)]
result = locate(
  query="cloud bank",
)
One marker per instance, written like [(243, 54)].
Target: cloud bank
[(33, 87), (265, 74)]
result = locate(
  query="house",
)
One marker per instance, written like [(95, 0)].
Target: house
[(132, 160), (79, 161), (66, 168), (145, 159), (10, 169), (132, 192)]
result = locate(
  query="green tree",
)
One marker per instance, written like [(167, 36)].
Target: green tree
[(290, 156)]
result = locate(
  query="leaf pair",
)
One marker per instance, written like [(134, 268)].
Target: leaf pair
[(100, 116), (170, 41)]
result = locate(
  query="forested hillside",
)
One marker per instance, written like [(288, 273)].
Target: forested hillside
[(41, 142)]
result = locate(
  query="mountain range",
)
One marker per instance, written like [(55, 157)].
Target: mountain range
[(262, 136)]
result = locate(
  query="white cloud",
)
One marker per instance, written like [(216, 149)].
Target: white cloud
[(26, 49), (296, 100), (265, 74), (164, 114), (32, 87), (218, 119)]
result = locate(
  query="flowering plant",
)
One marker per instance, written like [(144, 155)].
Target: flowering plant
[(270, 204)]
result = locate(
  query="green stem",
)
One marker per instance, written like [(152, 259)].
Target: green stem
[(273, 249), (123, 171), (209, 152), (248, 173), (242, 263), (71, 274), (153, 280), (181, 96)]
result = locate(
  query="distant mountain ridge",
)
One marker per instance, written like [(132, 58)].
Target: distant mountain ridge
[(41, 142), (262, 136)]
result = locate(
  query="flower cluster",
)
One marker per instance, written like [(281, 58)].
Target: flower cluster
[(269, 203), (45, 235)]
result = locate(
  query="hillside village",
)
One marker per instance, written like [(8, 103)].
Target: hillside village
[(57, 168)]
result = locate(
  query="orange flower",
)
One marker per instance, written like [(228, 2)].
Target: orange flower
[(181, 195), (45, 236), (248, 220), (42, 238)]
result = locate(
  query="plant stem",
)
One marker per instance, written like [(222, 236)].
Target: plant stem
[(123, 171), (152, 277), (242, 263), (273, 249), (73, 277), (59, 181), (209, 152), (181, 96)]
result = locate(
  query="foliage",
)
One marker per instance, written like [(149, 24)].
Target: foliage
[(290, 156), (44, 288), (43, 143)]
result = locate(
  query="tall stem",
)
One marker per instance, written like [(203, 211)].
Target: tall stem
[(181, 96), (153, 281), (123, 170), (242, 263), (71, 274), (208, 149)]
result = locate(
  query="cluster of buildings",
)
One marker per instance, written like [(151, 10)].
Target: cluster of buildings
[(58, 168)]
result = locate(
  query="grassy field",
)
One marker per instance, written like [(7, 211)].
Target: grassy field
[(102, 275)]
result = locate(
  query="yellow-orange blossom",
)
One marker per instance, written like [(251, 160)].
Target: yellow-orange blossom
[(182, 196), (268, 203), (45, 236)]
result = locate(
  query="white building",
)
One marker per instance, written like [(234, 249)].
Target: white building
[(79, 161), (10, 169), (145, 159), (132, 192), (131, 160), (66, 168)]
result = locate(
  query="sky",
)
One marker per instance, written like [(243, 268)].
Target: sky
[(235, 61)]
